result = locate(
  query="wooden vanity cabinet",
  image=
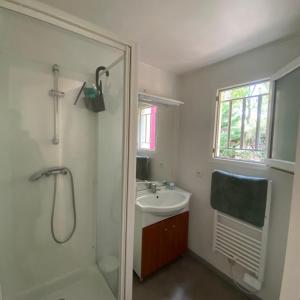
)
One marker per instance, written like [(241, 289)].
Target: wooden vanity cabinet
[(163, 242)]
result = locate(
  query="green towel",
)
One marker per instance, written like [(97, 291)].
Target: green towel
[(239, 196)]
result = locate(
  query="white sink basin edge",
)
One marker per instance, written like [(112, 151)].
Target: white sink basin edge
[(164, 202)]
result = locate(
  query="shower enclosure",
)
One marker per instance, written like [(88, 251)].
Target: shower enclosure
[(63, 201)]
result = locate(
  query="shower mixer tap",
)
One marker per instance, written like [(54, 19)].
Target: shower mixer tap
[(48, 172), (58, 171)]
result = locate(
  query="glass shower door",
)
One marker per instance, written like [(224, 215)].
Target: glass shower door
[(32, 265), (109, 177)]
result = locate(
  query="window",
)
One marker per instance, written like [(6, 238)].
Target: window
[(242, 122), (147, 128)]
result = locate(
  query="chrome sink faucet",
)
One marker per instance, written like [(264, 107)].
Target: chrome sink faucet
[(154, 188)]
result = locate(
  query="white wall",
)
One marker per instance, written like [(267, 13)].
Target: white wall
[(157, 81), (164, 159), (290, 283), (198, 91)]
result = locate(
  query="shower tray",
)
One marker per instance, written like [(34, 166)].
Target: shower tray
[(83, 284)]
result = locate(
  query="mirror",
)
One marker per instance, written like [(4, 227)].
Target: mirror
[(286, 116), (158, 126)]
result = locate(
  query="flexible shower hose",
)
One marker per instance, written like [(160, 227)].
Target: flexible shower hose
[(53, 209)]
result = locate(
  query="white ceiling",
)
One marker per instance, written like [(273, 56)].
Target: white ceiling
[(180, 35)]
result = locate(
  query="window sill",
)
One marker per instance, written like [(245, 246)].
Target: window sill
[(146, 150), (241, 163)]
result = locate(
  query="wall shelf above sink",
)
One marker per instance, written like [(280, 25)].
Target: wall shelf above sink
[(145, 97)]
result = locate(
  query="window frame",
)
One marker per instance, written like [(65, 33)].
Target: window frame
[(282, 165), (217, 123), (140, 149)]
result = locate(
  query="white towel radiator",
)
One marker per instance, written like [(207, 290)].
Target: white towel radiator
[(243, 243)]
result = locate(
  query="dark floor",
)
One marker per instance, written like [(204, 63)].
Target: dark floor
[(185, 279)]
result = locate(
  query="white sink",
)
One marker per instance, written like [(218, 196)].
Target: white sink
[(163, 203)]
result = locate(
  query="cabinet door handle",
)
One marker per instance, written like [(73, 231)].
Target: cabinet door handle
[(173, 226), (166, 229)]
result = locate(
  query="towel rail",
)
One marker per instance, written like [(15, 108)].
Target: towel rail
[(244, 243), (238, 260), (240, 247), (240, 235), (240, 242), (241, 255), (240, 222)]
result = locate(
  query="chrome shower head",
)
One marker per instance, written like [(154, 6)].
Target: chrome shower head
[(36, 176)]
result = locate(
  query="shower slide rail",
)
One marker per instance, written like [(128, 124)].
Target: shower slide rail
[(56, 94)]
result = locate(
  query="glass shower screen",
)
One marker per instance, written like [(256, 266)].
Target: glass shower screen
[(32, 265)]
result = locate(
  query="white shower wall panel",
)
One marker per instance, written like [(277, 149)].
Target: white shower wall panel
[(30, 255)]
